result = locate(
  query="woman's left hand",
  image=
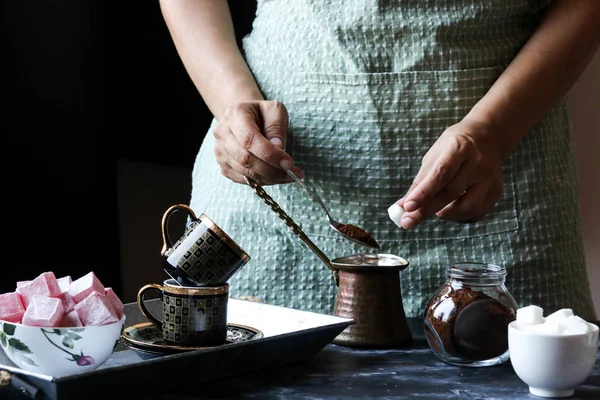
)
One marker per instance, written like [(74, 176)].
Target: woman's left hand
[(460, 177)]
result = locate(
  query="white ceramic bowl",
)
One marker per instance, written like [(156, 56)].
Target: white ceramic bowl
[(59, 352), (552, 365)]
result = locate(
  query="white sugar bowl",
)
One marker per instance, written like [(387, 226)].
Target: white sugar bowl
[(552, 365)]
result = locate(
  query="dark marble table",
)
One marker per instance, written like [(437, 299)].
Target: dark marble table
[(342, 373), (338, 372)]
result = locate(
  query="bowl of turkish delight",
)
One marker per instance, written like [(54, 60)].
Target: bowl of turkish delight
[(60, 326), (552, 354)]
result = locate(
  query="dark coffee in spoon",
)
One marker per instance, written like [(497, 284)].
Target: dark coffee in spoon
[(359, 234)]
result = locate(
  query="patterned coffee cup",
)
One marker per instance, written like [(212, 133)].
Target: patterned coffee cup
[(192, 316), (205, 255)]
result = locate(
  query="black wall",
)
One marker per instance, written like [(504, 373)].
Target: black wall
[(85, 82), (155, 94), (61, 210)]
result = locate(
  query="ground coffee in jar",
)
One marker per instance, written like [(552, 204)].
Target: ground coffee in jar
[(466, 320)]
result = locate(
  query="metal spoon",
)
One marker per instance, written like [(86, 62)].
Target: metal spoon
[(260, 192), (350, 232)]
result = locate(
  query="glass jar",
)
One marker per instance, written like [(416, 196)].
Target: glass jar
[(466, 319)]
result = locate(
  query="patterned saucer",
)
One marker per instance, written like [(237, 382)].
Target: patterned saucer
[(148, 338)]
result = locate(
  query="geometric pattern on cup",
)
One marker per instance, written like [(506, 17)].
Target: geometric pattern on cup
[(197, 320), (208, 261)]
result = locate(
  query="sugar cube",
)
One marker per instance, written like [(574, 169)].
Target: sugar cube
[(84, 286), (530, 315), (560, 315), (395, 213), (577, 325), (561, 322), (11, 307), (547, 328), (43, 311)]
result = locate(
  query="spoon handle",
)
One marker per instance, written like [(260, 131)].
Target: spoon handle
[(312, 193), (260, 192)]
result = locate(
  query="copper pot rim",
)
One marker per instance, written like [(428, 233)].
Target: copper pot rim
[(344, 264)]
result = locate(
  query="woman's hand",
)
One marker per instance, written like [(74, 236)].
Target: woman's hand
[(250, 140), (460, 177), (251, 132)]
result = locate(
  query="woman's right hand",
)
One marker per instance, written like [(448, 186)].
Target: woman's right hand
[(251, 133), (250, 141)]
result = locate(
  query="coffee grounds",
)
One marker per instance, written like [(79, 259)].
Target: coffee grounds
[(359, 234), (481, 329), (469, 324)]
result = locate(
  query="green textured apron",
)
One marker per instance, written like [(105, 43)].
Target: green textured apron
[(369, 86)]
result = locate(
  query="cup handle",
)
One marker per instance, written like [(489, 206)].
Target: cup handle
[(142, 306), (167, 243)]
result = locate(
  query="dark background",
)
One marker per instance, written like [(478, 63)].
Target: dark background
[(86, 83)]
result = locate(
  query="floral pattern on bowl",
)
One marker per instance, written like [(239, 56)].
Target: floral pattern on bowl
[(59, 351)]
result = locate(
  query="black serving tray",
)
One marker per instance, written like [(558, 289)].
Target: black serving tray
[(289, 336)]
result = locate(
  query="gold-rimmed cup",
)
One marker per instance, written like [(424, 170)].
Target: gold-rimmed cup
[(205, 255), (192, 316)]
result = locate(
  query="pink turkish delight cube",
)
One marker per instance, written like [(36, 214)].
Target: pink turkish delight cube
[(84, 286), (44, 285), (44, 311), (68, 302), (96, 309), (64, 283), (11, 307), (115, 301), (71, 319), (22, 283)]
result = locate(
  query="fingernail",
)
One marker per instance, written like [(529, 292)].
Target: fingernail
[(395, 212), (276, 142), (285, 164), (410, 206), (408, 223)]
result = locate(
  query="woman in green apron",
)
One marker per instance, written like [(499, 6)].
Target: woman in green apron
[(451, 110)]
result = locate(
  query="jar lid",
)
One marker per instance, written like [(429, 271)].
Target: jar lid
[(476, 270), (375, 262)]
